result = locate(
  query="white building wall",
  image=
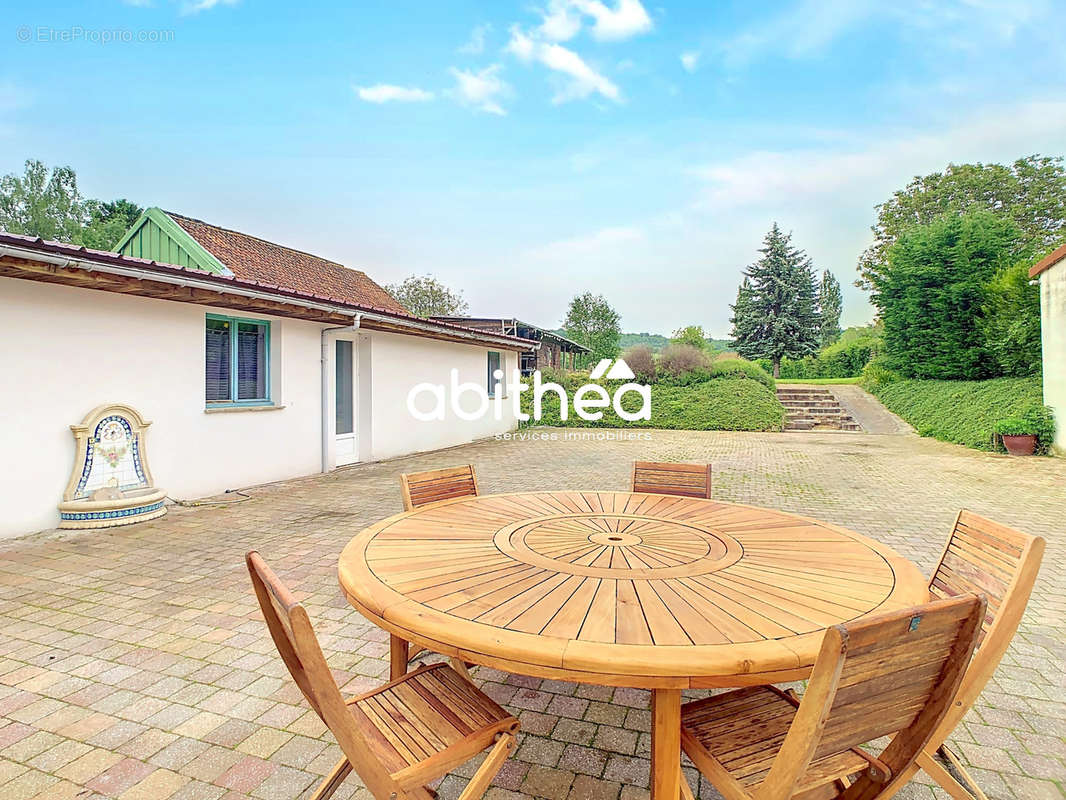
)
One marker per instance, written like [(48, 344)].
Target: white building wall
[(1053, 336), (399, 363), (64, 351)]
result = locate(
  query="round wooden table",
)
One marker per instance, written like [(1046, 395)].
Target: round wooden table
[(647, 591)]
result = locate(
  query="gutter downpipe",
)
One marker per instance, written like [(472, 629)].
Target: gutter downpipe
[(328, 335)]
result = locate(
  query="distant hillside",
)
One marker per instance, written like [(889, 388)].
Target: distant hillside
[(652, 340), (657, 341)]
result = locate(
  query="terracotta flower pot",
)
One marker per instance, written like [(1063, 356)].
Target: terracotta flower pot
[(1022, 445)]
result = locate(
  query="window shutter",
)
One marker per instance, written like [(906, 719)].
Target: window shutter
[(217, 363)]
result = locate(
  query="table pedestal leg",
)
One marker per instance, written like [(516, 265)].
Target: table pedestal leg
[(398, 656), (666, 744)]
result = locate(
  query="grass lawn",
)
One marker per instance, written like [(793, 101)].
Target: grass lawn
[(718, 404), (819, 381)]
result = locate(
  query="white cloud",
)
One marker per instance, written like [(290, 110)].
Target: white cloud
[(196, 6), (388, 93), (626, 19), (560, 22), (475, 45), (879, 166), (809, 26), (582, 81), (602, 244), (690, 60), (521, 45), (483, 89)]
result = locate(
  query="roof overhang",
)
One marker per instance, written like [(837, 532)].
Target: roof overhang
[(1048, 261), (503, 321), (54, 262)]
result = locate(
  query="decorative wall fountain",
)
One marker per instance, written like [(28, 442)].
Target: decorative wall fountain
[(111, 484)]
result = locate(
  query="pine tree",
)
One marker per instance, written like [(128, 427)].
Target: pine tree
[(776, 315), (830, 304), (743, 319)]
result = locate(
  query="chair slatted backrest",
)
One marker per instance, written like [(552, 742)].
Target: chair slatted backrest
[(687, 480), (422, 488), (984, 557), (291, 630), (895, 673)]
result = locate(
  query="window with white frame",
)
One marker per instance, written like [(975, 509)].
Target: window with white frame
[(237, 361), (494, 362)]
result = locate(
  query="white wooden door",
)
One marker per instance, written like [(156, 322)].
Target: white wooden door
[(344, 403)]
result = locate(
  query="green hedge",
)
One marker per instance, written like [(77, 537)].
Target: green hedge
[(711, 405), (966, 412), (728, 368)]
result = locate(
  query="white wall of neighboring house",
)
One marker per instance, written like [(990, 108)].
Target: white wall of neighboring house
[(65, 351), (1053, 336), (399, 363)]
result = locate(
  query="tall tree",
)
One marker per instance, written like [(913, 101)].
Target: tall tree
[(830, 306), (691, 335), (107, 223), (1010, 321), (1031, 192), (47, 203), (42, 202), (591, 321), (776, 314), (425, 296), (933, 293)]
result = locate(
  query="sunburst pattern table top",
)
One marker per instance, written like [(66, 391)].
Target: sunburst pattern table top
[(622, 588)]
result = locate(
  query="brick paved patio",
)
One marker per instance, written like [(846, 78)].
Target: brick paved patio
[(133, 663)]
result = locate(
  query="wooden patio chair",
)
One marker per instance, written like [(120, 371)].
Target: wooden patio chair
[(687, 480), (399, 736), (420, 489), (1000, 563), (895, 673), (423, 488)]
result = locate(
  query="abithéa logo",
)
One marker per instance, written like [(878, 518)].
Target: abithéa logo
[(588, 402)]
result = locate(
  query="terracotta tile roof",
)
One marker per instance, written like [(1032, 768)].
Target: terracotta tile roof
[(264, 262), (1049, 261), (418, 326)]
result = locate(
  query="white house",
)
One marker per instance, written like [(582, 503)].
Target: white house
[(1051, 272), (253, 362)]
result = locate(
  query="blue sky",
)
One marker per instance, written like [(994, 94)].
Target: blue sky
[(526, 152)]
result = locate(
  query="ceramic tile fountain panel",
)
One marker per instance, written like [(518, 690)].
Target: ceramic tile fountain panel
[(110, 483)]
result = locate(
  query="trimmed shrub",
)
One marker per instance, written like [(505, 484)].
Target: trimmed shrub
[(641, 360), (677, 359), (739, 368), (877, 373), (966, 412)]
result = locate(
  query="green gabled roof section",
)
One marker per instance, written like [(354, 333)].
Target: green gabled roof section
[(156, 237)]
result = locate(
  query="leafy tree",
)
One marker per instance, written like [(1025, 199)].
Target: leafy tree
[(108, 223), (775, 315), (691, 335), (1010, 321), (42, 203), (830, 305), (1031, 192), (591, 321), (934, 289), (48, 204), (425, 296)]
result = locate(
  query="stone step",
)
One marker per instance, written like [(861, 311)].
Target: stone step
[(808, 409), (805, 396)]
